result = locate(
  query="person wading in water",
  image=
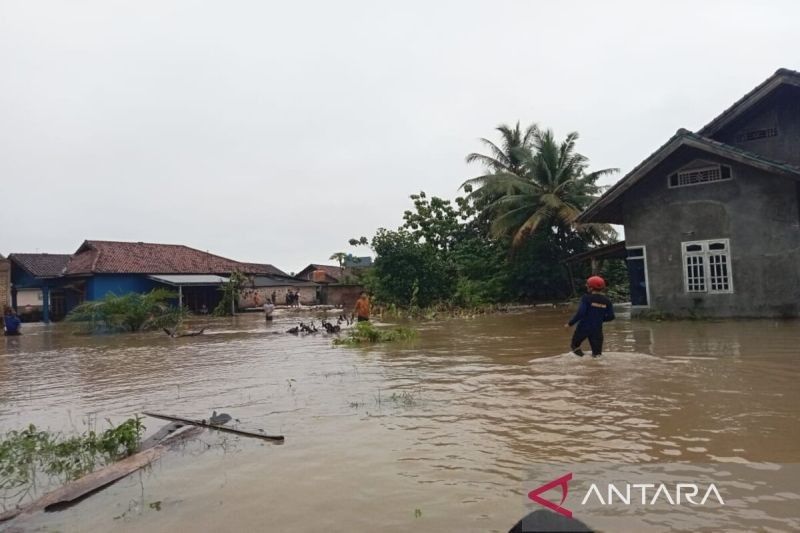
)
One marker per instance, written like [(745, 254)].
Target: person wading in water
[(593, 310), (361, 309), (11, 322)]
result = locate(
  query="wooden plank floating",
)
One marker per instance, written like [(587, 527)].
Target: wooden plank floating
[(159, 435), (75, 490), (204, 424)]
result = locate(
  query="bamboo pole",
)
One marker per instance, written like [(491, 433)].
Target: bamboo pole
[(204, 424)]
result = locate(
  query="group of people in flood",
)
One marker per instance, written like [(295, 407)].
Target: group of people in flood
[(360, 310), (292, 298)]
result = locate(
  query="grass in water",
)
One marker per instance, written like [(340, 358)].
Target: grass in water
[(27, 455), (366, 333)]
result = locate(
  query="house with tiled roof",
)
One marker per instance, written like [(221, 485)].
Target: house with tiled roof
[(338, 285), (322, 273), (30, 274), (712, 218), (98, 268)]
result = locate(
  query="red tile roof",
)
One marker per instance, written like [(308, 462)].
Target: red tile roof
[(111, 257), (42, 265)]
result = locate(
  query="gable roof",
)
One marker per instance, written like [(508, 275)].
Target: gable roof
[(113, 257), (782, 76), (332, 271), (684, 138), (41, 265)]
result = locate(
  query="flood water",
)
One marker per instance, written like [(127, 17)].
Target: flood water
[(436, 435)]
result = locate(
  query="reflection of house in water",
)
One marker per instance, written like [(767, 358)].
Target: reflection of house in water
[(98, 268), (712, 218)]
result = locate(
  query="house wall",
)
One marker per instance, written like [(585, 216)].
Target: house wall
[(5, 282), (757, 211), (29, 297), (781, 111), (341, 295), (256, 297), (99, 285)]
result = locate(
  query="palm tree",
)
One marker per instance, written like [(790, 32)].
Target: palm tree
[(339, 257), (548, 189), (507, 158)]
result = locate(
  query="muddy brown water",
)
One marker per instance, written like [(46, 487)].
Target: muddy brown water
[(436, 435)]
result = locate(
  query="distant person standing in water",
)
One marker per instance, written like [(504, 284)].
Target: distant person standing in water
[(11, 322), (274, 297), (269, 308), (361, 309), (594, 309)]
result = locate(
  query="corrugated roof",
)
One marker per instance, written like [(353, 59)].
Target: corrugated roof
[(42, 265), (276, 281), (265, 268), (190, 279), (113, 257)]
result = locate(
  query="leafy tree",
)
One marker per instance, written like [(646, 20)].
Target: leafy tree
[(549, 189), (407, 272), (230, 294)]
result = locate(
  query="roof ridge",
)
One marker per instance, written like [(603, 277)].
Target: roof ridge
[(679, 135), (717, 122), (96, 257)]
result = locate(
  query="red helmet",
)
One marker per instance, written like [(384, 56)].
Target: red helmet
[(596, 283)]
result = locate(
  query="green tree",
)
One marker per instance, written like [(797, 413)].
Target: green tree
[(548, 190)]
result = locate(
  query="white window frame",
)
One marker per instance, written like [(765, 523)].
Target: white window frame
[(699, 169), (643, 248), (705, 254)]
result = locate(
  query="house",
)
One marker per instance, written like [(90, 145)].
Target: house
[(339, 286), (321, 273), (98, 268), (262, 287), (37, 286), (712, 218)]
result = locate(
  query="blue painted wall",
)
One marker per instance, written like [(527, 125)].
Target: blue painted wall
[(21, 279), (100, 285)]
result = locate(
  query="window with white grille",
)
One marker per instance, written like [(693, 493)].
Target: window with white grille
[(707, 266), (697, 176)]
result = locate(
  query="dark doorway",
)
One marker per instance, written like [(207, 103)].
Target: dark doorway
[(637, 274)]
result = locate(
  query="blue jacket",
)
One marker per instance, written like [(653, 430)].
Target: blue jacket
[(593, 310), (11, 323)]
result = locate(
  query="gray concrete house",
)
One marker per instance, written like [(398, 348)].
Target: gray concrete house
[(712, 218)]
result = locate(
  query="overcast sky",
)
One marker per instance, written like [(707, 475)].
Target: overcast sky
[(275, 131)]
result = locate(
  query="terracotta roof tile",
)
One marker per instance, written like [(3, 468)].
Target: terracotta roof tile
[(42, 265), (112, 257)]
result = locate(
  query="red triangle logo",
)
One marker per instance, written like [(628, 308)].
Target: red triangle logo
[(562, 482)]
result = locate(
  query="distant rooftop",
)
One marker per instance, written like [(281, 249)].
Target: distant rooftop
[(114, 257), (42, 265)]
